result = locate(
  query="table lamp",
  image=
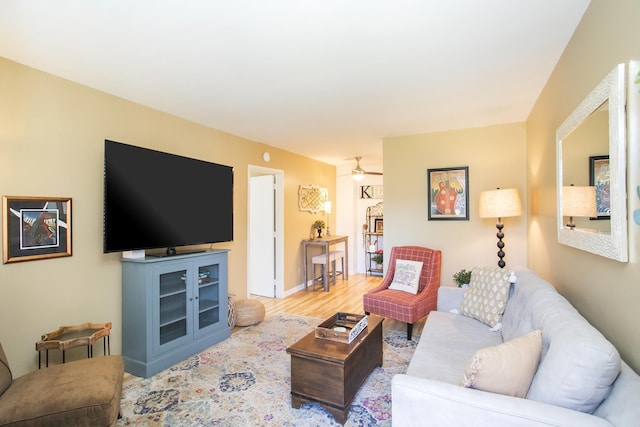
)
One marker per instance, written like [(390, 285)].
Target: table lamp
[(578, 201), (500, 203), (327, 210)]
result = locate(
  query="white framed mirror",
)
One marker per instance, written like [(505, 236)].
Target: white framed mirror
[(594, 130)]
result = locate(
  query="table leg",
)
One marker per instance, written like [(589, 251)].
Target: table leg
[(325, 276), (305, 266), (345, 273)]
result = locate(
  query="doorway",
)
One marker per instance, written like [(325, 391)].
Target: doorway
[(265, 232)]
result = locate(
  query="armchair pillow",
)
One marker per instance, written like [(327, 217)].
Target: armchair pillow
[(507, 368), (407, 276), (486, 298)]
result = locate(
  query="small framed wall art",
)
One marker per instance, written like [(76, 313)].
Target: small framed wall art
[(599, 178), (312, 198), (35, 228), (448, 193)]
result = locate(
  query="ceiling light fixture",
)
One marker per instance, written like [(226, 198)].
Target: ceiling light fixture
[(358, 173)]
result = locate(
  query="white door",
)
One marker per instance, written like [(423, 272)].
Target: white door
[(262, 271)]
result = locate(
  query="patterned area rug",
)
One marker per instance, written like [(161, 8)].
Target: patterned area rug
[(246, 381)]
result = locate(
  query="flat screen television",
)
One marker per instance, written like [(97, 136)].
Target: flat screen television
[(157, 200)]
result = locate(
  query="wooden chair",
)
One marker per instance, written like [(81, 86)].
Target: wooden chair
[(403, 306)]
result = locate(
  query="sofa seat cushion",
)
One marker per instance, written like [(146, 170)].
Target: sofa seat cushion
[(447, 343), (81, 393)]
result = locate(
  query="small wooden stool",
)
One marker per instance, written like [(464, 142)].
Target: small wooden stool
[(321, 260), (337, 255)]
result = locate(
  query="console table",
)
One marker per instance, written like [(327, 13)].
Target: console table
[(325, 242), (74, 336)]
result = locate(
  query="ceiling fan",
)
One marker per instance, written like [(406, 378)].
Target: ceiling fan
[(358, 173)]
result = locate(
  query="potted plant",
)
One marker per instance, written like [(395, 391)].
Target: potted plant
[(378, 258), (318, 225), (462, 277)]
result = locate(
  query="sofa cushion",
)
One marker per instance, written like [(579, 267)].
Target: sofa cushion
[(406, 278), (447, 343), (487, 295), (507, 368), (578, 365), (5, 372)]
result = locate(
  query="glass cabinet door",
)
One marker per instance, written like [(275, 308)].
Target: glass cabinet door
[(208, 296), (172, 309)]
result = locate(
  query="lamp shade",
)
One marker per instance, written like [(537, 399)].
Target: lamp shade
[(327, 207), (500, 203), (579, 201)]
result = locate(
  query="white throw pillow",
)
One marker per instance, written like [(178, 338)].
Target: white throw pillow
[(486, 298), (507, 368), (406, 278)]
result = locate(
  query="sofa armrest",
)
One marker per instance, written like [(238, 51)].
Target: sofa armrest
[(423, 402), (450, 298)]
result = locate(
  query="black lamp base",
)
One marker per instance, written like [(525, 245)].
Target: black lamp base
[(500, 236)]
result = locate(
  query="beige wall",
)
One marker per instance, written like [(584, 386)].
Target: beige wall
[(52, 133), (606, 292), (496, 157)]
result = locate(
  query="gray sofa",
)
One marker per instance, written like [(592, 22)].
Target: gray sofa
[(580, 379)]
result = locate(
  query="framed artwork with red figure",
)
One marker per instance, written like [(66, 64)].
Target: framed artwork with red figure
[(448, 193)]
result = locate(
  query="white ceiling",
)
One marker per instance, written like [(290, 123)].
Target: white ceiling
[(327, 79)]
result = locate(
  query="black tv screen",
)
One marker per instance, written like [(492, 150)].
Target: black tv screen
[(160, 200)]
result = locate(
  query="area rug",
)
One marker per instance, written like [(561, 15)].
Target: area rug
[(246, 381)]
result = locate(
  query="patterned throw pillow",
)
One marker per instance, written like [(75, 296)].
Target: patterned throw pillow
[(406, 277), (486, 298), (507, 368)]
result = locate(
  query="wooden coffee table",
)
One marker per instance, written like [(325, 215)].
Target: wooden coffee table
[(330, 372)]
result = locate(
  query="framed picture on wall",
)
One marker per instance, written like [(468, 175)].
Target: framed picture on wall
[(35, 228), (599, 178), (448, 193)]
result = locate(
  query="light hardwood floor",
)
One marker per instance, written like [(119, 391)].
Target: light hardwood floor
[(344, 296)]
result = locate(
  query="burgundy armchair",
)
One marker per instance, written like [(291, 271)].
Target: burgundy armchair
[(403, 306)]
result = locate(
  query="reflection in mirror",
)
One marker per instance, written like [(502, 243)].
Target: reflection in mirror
[(591, 151), (590, 138)]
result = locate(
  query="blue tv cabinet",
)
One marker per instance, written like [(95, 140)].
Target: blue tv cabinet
[(172, 308)]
